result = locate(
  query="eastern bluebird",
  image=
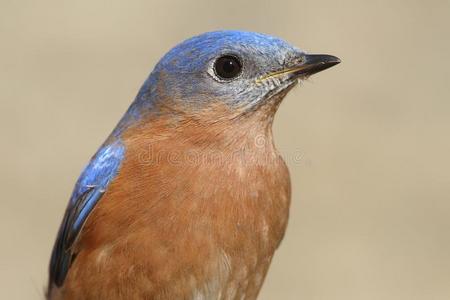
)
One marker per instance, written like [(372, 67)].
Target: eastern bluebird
[(188, 197)]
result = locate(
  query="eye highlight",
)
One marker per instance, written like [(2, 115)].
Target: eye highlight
[(227, 67)]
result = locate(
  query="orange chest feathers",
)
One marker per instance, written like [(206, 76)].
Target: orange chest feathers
[(192, 201)]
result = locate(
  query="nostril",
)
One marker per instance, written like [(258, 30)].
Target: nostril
[(293, 60)]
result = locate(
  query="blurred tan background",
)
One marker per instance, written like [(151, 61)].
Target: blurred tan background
[(367, 141)]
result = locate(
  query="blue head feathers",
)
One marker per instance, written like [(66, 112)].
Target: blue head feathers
[(188, 72)]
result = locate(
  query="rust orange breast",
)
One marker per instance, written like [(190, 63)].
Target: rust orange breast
[(199, 207)]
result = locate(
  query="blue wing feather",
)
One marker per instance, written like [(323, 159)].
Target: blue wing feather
[(88, 190)]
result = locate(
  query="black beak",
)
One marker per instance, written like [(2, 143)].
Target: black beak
[(314, 63)]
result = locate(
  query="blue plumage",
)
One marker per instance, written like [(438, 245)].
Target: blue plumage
[(186, 72), (90, 187)]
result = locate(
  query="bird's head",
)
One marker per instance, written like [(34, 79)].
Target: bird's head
[(236, 69)]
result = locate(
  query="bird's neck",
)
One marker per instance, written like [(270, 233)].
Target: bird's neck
[(217, 128), (241, 122)]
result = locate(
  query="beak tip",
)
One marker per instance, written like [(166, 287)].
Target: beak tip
[(315, 63), (331, 60)]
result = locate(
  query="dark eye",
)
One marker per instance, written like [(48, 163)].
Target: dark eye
[(227, 67)]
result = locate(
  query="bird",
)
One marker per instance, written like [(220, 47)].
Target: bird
[(188, 197)]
